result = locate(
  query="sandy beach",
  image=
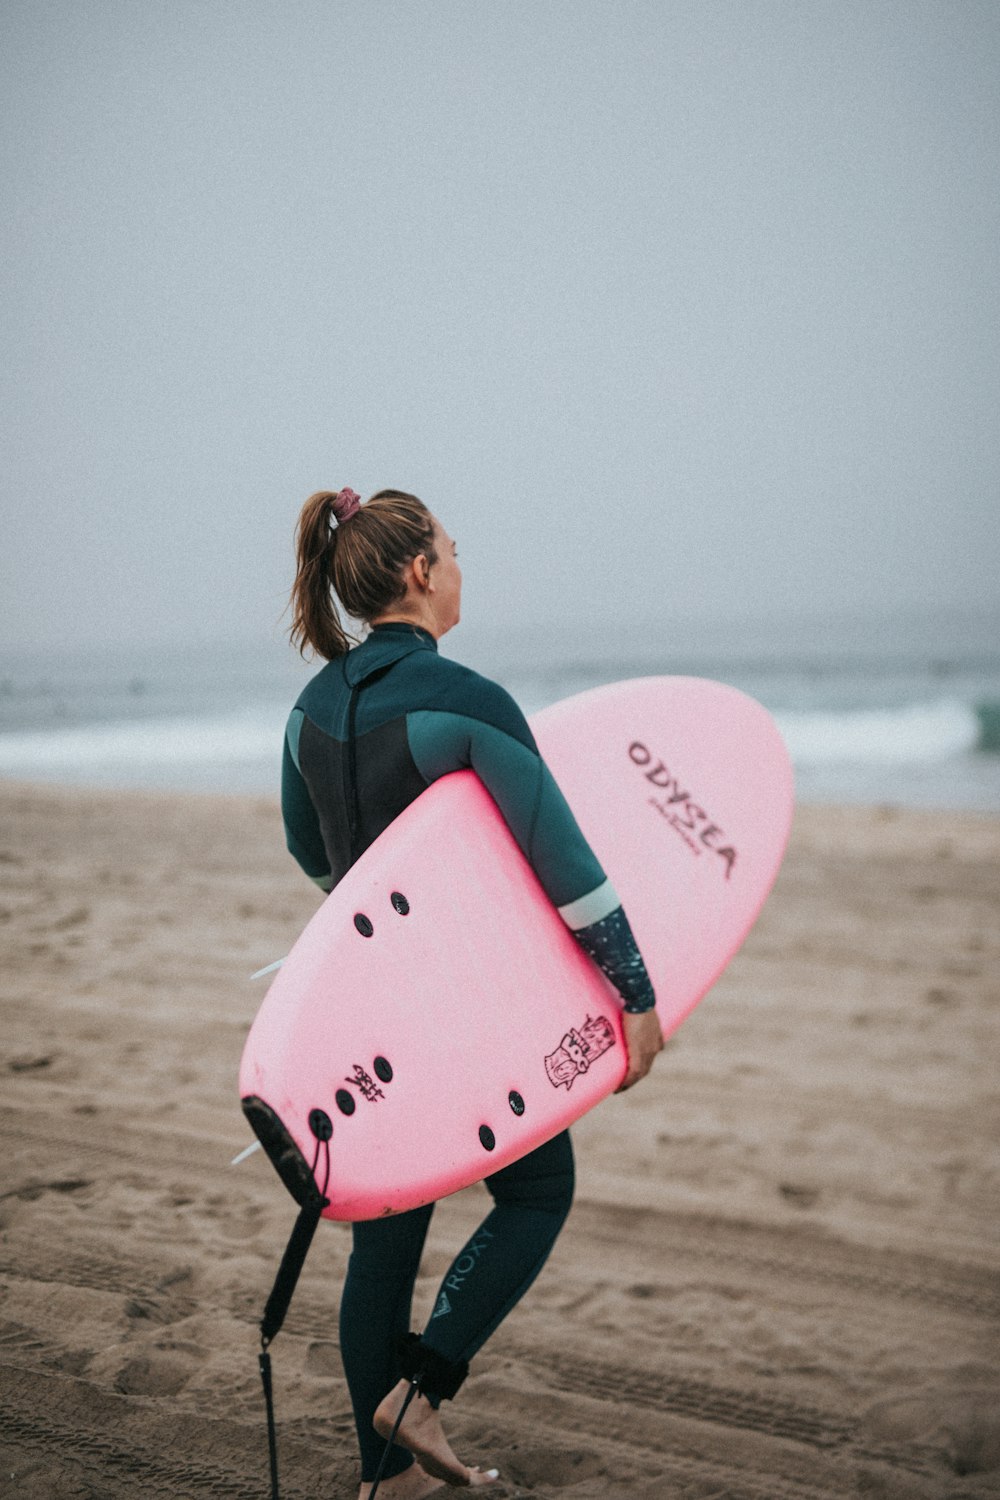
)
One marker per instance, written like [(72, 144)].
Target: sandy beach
[(779, 1281)]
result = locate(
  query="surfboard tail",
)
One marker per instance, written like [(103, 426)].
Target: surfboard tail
[(288, 1160)]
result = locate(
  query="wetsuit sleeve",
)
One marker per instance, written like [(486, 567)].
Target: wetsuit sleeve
[(302, 830), (612, 946), (506, 759)]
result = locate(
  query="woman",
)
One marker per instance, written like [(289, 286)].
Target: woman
[(371, 731)]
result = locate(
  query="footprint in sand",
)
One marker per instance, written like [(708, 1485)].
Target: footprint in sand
[(942, 997), (557, 1467), (797, 1195), (29, 1064), (961, 1422), (158, 1373), (30, 1192), (71, 919), (323, 1359)]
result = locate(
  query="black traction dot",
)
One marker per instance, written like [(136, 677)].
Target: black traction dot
[(363, 924), (516, 1102), (486, 1137), (345, 1102), (320, 1124), (383, 1069), (400, 903)]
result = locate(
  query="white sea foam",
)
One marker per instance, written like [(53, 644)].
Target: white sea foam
[(902, 723), (873, 753), (916, 734), (250, 735)]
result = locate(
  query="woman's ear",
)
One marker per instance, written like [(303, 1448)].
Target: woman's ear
[(420, 571)]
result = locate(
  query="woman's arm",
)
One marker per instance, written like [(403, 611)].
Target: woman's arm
[(497, 744), (302, 831)]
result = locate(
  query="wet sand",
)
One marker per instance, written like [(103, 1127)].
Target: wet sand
[(779, 1281)]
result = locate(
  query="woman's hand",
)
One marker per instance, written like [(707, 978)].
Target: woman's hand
[(643, 1040)]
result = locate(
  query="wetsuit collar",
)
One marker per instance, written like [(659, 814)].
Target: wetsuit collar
[(403, 627), (385, 645)]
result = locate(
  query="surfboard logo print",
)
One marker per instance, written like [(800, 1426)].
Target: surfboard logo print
[(696, 827), (365, 1084), (580, 1047)]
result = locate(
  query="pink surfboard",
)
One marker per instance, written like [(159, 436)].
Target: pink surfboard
[(436, 1020)]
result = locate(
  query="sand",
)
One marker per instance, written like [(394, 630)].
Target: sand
[(778, 1282)]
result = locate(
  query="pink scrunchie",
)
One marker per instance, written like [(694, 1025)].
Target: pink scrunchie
[(345, 505)]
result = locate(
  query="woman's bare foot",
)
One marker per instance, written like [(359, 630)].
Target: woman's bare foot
[(422, 1433), (413, 1484)]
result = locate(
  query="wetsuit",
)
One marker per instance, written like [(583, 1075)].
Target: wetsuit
[(368, 734)]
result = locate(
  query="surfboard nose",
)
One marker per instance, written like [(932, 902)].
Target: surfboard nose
[(291, 1166)]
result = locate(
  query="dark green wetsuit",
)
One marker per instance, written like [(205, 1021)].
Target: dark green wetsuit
[(418, 716), (367, 736)]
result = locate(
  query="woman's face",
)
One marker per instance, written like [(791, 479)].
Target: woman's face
[(446, 580)]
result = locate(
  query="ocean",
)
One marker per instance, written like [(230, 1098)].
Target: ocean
[(898, 712)]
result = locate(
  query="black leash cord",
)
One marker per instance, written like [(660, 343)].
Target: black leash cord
[(264, 1360), (392, 1438), (281, 1295)]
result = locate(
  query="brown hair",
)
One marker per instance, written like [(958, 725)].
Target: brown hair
[(360, 560)]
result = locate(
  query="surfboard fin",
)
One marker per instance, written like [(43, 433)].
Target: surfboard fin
[(268, 969), (241, 1156)]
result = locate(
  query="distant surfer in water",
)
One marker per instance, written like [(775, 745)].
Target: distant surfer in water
[(369, 733)]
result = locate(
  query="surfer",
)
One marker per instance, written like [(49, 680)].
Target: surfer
[(380, 722)]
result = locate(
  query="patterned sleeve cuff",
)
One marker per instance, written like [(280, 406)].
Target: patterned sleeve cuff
[(639, 1004), (612, 946)]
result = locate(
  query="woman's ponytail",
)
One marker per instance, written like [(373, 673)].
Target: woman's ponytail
[(360, 561), (315, 618)]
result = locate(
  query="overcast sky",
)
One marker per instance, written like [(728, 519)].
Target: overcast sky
[(666, 307)]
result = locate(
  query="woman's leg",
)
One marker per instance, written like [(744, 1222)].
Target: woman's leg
[(498, 1264), (487, 1278), (374, 1315)]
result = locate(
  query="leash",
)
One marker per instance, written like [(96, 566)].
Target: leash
[(276, 1307), (414, 1385)]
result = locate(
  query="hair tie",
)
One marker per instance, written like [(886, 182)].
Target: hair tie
[(345, 505)]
